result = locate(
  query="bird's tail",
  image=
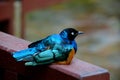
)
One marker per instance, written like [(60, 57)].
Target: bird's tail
[(24, 54)]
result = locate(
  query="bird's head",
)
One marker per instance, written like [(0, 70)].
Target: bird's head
[(70, 33)]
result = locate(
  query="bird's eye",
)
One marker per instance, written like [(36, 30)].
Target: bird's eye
[(72, 33)]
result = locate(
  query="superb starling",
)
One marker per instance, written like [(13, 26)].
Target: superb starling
[(56, 48)]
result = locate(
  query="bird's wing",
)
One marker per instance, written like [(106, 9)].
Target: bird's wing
[(45, 57), (42, 44), (61, 53), (35, 48)]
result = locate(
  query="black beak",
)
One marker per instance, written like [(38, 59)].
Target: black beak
[(80, 32)]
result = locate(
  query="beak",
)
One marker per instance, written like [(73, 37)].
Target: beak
[(80, 32)]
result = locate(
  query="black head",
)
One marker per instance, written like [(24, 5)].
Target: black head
[(70, 33)]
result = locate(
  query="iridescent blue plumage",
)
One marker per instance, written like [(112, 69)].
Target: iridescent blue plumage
[(53, 48)]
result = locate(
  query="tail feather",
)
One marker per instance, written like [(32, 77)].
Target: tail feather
[(24, 54)]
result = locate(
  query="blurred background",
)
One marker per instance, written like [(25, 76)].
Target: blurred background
[(98, 19)]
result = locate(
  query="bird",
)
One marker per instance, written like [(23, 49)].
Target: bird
[(56, 48)]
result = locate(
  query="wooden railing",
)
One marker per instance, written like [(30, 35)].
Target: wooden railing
[(12, 70)]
